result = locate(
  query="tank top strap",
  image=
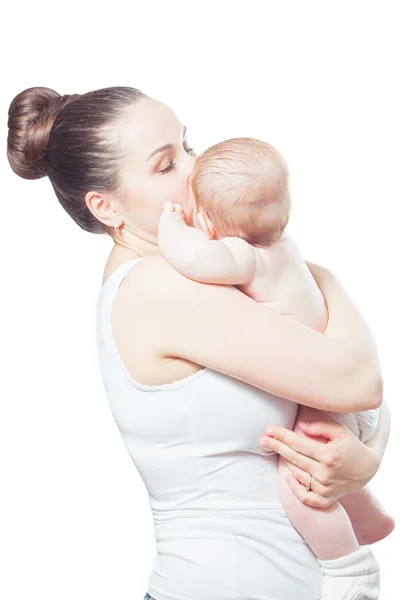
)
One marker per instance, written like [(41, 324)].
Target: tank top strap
[(110, 287), (120, 272)]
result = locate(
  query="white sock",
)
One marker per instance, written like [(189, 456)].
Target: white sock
[(352, 577)]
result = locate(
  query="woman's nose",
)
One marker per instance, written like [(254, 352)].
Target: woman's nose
[(190, 166), (191, 161)]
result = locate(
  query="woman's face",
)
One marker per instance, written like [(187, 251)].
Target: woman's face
[(156, 166)]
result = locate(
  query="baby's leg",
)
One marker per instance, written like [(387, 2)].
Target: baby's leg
[(369, 520), (349, 571), (328, 531)]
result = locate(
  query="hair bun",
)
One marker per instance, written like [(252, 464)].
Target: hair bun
[(30, 118)]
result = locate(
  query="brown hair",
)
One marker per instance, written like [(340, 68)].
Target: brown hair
[(68, 139), (243, 186)]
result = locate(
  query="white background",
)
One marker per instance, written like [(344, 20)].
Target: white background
[(319, 80)]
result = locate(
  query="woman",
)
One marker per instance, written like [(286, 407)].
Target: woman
[(195, 373)]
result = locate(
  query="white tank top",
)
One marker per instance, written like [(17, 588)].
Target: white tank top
[(221, 531)]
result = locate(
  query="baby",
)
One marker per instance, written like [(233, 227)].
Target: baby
[(241, 203)]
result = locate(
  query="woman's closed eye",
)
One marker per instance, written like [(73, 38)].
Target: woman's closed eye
[(172, 164)]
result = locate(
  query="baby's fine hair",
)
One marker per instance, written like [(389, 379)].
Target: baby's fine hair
[(242, 185)]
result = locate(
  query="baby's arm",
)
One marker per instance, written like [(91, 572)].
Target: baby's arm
[(230, 261)]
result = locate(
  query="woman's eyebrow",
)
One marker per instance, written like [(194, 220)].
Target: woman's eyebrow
[(166, 147)]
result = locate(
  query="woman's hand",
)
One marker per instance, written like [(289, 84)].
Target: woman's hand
[(338, 467)]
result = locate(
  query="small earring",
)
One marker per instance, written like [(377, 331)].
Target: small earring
[(116, 227)]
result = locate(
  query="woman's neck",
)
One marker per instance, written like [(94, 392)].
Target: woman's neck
[(127, 248), (131, 245)]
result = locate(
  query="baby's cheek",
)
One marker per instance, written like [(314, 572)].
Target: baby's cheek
[(185, 199)]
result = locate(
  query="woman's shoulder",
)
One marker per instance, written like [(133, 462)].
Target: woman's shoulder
[(154, 289), (153, 276), (116, 262), (141, 309)]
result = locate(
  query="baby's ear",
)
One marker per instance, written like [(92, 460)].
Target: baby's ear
[(206, 224), (210, 226)]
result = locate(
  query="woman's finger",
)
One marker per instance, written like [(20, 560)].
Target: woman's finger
[(303, 478), (322, 429), (299, 460), (309, 498), (298, 443)]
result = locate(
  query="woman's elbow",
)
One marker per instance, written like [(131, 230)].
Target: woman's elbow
[(376, 393), (356, 390), (368, 394)]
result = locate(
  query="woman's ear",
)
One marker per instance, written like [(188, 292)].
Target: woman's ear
[(102, 207)]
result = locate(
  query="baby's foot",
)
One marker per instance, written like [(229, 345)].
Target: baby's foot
[(370, 521), (369, 533)]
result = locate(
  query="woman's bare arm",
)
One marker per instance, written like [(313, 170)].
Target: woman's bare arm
[(345, 320), (221, 328)]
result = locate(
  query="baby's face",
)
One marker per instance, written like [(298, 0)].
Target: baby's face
[(192, 207)]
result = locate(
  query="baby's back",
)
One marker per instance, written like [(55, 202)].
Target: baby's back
[(283, 281)]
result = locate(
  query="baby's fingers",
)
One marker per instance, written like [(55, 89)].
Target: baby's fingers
[(168, 206)]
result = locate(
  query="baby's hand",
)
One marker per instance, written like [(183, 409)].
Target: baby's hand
[(171, 218), (170, 227), (172, 208)]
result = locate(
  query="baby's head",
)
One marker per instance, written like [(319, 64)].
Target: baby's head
[(241, 186)]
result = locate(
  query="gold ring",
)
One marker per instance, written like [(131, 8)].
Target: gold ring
[(308, 488)]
